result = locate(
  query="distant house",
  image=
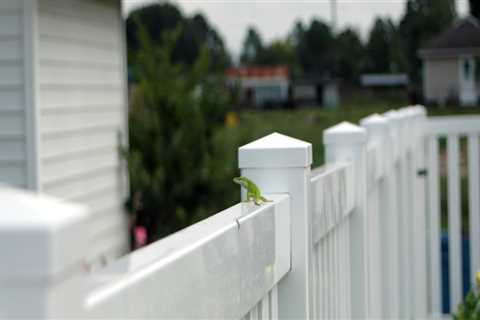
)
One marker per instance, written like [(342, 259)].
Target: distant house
[(263, 86), (315, 91), (449, 64), (260, 85), (63, 108)]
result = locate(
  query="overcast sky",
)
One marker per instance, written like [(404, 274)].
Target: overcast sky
[(274, 19)]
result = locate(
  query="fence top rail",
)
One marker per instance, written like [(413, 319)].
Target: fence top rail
[(444, 125), (333, 197), (327, 169), (239, 254)]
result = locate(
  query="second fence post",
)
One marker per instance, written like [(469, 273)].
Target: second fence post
[(280, 164), (347, 142)]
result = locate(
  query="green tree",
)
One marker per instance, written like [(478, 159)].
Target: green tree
[(351, 55), (315, 47), (475, 8), (252, 47), (177, 166), (195, 33), (279, 52), (379, 47)]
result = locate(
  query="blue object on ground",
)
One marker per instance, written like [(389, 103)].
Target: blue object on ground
[(445, 274)]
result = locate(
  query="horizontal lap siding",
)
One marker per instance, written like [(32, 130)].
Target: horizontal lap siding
[(82, 110), (12, 90)]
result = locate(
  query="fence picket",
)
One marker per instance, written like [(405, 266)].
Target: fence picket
[(474, 204), (434, 227), (454, 221)]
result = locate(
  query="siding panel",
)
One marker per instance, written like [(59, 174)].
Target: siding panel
[(12, 125), (11, 99), (10, 23), (12, 173), (65, 51), (12, 149), (80, 97), (69, 74), (11, 74), (82, 109), (65, 122), (78, 30), (12, 117), (72, 145), (80, 165), (11, 48)]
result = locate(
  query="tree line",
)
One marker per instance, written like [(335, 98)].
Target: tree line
[(309, 48)]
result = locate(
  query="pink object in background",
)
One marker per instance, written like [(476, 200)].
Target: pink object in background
[(140, 236)]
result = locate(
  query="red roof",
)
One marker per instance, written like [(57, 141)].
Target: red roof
[(258, 71)]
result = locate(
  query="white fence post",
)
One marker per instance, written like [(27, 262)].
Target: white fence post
[(378, 219), (42, 244), (400, 121), (419, 215), (390, 207), (346, 141), (280, 164)]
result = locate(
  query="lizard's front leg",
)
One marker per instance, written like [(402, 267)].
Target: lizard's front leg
[(250, 196)]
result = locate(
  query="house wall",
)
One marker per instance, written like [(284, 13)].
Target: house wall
[(82, 113), (13, 153), (440, 80)]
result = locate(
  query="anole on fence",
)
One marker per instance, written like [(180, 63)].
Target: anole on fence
[(253, 192)]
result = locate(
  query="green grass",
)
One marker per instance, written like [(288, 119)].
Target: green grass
[(308, 123)]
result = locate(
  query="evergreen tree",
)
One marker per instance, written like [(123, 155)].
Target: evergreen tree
[(378, 48), (315, 48), (475, 8), (252, 47), (195, 31), (178, 172), (351, 55)]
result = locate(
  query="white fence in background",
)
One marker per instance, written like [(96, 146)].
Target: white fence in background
[(453, 167), (351, 239)]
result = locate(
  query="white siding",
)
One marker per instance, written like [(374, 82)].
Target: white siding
[(12, 86), (441, 79), (82, 101)]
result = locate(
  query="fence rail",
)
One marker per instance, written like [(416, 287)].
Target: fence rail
[(356, 238)]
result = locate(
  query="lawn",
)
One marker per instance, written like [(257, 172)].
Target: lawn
[(308, 123)]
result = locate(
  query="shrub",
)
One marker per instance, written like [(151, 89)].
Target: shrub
[(176, 157), (470, 309)]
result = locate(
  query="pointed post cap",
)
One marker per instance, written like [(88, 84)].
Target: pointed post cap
[(374, 120), (375, 124), (420, 110), (275, 151), (344, 133), (39, 236), (391, 114)]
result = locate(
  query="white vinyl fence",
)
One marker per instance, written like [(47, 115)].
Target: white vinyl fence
[(356, 238)]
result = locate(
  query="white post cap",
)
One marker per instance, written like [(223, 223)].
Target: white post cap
[(392, 115), (344, 133), (39, 236), (275, 151), (375, 124)]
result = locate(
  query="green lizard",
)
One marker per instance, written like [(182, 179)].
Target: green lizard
[(253, 192)]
